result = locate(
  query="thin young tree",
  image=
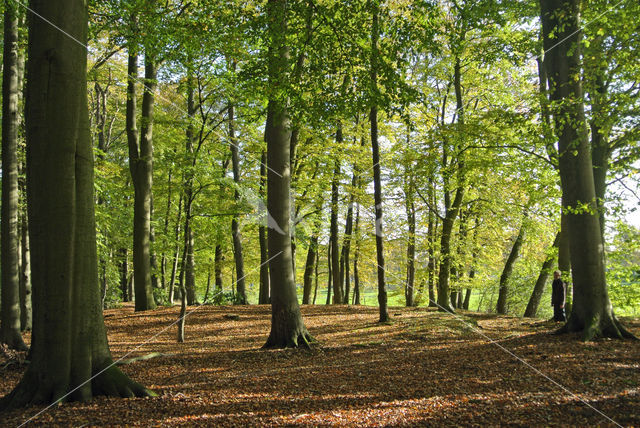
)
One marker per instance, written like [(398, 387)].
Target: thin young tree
[(70, 357)]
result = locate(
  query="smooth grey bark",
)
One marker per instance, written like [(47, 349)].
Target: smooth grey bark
[(503, 291), (375, 153), (538, 288), (264, 292), (592, 312), (287, 326), (235, 225), (10, 259), (69, 341), (140, 166)]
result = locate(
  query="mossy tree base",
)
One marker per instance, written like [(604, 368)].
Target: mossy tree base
[(595, 327)]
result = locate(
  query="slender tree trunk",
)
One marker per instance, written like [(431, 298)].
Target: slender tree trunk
[(140, 165), (69, 341), (411, 249), (356, 257), (235, 226), (335, 252), (176, 253), (538, 288), (377, 180), (264, 293), (329, 273), (503, 292), (431, 233), (124, 274), (309, 268), (10, 296), (315, 288), (25, 278), (217, 267), (453, 209), (592, 312)]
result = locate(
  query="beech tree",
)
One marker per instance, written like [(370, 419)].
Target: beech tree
[(287, 326), (592, 312), (70, 358), (10, 319)]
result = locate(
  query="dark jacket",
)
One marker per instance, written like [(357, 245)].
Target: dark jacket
[(557, 293)]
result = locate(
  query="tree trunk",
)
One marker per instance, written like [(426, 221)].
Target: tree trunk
[(69, 341), (431, 233), (538, 288), (452, 209), (187, 267), (592, 313), (124, 274), (26, 312), (356, 257), (264, 292), (235, 226), (329, 273), (217, 268), (335, 252), (287, 327), (140, 165), (503, 292), (411, 249), (309, 268), (10, 295), (346, 245), (375, 151)]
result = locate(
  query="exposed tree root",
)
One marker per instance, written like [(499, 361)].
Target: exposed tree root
[(111, 382), (596, 328), (141, 358), (296, 340)]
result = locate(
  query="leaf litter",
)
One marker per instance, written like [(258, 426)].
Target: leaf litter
[(424, 368)]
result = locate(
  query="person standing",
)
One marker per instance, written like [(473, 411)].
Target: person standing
[(558, 297)]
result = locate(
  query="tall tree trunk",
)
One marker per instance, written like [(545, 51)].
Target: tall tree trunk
[(503, 292), (235, 226), (10, 295), (140, 165), (592, 312), (431, 233), (335, 252), (264, 293), (375, 151), (452, 209), (287, 327), (345, 274), (176, 253), (356, 257), (538, 288), (69, 341), (411, 248), (187, 267)]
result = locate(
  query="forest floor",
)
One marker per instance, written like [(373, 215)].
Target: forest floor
[(422, 369)]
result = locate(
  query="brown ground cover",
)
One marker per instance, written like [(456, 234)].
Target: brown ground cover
[(423, 369)]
